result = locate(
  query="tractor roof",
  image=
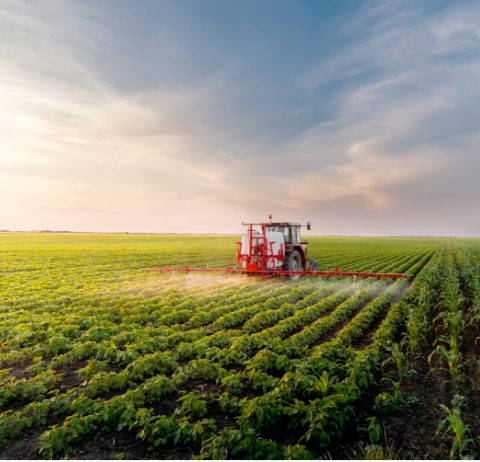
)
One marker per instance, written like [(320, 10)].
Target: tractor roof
[(269, 223), (284, 223)]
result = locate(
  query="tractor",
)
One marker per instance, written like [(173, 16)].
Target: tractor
[(273, 247)]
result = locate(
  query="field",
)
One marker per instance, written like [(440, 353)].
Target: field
[(100, 358)]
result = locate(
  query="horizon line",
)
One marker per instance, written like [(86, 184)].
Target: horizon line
[(49, 231)]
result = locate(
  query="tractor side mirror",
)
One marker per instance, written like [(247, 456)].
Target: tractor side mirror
[(309, 226)]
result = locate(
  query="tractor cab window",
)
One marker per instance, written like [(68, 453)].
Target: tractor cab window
[(285, 230), (295, 234)]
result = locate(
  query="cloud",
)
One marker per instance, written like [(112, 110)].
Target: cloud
[(398, 121), (69, 136)]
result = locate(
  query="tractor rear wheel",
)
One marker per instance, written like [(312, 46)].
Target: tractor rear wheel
[(294, 263)]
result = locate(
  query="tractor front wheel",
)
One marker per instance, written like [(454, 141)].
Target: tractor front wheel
[(294, 263)]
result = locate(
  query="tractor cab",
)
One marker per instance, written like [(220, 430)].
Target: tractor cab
[(290, 231)]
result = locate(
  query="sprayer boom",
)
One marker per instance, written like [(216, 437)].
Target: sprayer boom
[(276, 249)]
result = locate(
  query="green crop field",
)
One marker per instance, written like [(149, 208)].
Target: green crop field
[(101, 359)]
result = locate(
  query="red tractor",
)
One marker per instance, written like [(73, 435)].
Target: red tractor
[(275, 248)]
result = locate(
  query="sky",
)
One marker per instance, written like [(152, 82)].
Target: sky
[(192, 116)]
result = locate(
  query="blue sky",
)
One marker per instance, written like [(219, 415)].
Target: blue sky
[(160, 116)]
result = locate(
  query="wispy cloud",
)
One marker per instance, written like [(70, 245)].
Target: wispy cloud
[(70, 138), (407, 101)]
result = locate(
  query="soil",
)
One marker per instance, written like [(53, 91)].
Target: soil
[(123, 445), (26, 446), (70, 378), (17, 369), (412, 431), (471, 386)]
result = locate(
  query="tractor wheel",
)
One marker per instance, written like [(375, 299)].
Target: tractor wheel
[(294, 263)]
